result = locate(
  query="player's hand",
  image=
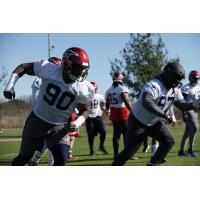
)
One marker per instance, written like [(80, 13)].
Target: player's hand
[(196, 104), (9, 94), (73, 127), (168, 119)]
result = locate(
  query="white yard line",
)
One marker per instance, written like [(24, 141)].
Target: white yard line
[(10, 139)]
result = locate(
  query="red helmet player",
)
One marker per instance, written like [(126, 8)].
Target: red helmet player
[(194, 77), (75, 63), (55, 60)]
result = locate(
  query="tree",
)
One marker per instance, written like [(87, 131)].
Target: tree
[(143, 57), (3, 75)]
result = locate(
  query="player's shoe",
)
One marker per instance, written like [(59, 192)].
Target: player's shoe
[(192, 153), (145, 149), (102, 149), (183, 153), (32, 163), (71, 158), (152, 164), (92, 153)]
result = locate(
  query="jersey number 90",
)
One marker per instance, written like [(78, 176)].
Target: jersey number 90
[(53, 97)]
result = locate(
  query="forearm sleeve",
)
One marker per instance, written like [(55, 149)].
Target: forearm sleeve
[(149, 103)]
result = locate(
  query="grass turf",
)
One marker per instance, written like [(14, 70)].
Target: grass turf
[(10, 142)]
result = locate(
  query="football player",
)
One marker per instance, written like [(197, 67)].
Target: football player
[(189, 91), (94, 123), (117, 101), (156, 98), (62, 88)]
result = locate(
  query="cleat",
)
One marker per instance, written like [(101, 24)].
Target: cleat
[(32, 163), (182, 153), (152, 164), (92, 153), (71, 157), (102, 149), (192, 153)]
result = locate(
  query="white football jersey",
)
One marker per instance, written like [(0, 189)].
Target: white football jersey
[(56, 100), (162, 97), (191, 92), (114, 95), (96, 100), (35, 90)]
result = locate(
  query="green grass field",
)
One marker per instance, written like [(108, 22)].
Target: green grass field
[(10, 141)]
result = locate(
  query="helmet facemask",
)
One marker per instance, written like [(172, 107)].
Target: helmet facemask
[(75, 72)]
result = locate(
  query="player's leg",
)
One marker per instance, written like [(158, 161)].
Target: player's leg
[(193, 123), (155, 145), (50, 158), (90, 132), (116, 137), (60, 154), (135, 137), (71, 156), (37, 156), (166, 140), (145, 145), (31, 141), (184, 139), (100, 126)]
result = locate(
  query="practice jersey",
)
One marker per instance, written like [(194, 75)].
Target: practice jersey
[(191, 92), (118, 110), (56, 99), (163, 98), (35, 89), (95, 108)]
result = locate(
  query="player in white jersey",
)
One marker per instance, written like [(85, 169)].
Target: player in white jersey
[(94, 123), (63, 87), (117, 101), (35, 91), (156, 98), (190, 90)]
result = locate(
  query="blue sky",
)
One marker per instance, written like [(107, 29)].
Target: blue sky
[(19, 48)]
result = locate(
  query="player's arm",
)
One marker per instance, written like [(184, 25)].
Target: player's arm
[(125, 99), (149, 104), (83, 114), (107, 103), (185, 106), (26, 68)]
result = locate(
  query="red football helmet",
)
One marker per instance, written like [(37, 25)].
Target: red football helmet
[(55, 60), (194, 77), (75, 62), (95, 85), (118, 77)]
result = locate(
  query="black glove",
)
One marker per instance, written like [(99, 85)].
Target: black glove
[(168, 119), (9, 94)]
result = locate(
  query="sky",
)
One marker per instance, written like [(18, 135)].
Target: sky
[(17, 48)]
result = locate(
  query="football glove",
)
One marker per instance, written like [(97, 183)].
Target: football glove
[(9, 94), (168, 119)]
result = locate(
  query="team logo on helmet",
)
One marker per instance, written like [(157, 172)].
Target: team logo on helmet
[(75, 62)]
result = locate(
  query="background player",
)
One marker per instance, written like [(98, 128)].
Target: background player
[(94, 123), (190, 91), (156, 98), (117, 101)]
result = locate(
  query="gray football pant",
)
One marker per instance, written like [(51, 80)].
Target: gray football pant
[(191, 126), (136, 135)]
